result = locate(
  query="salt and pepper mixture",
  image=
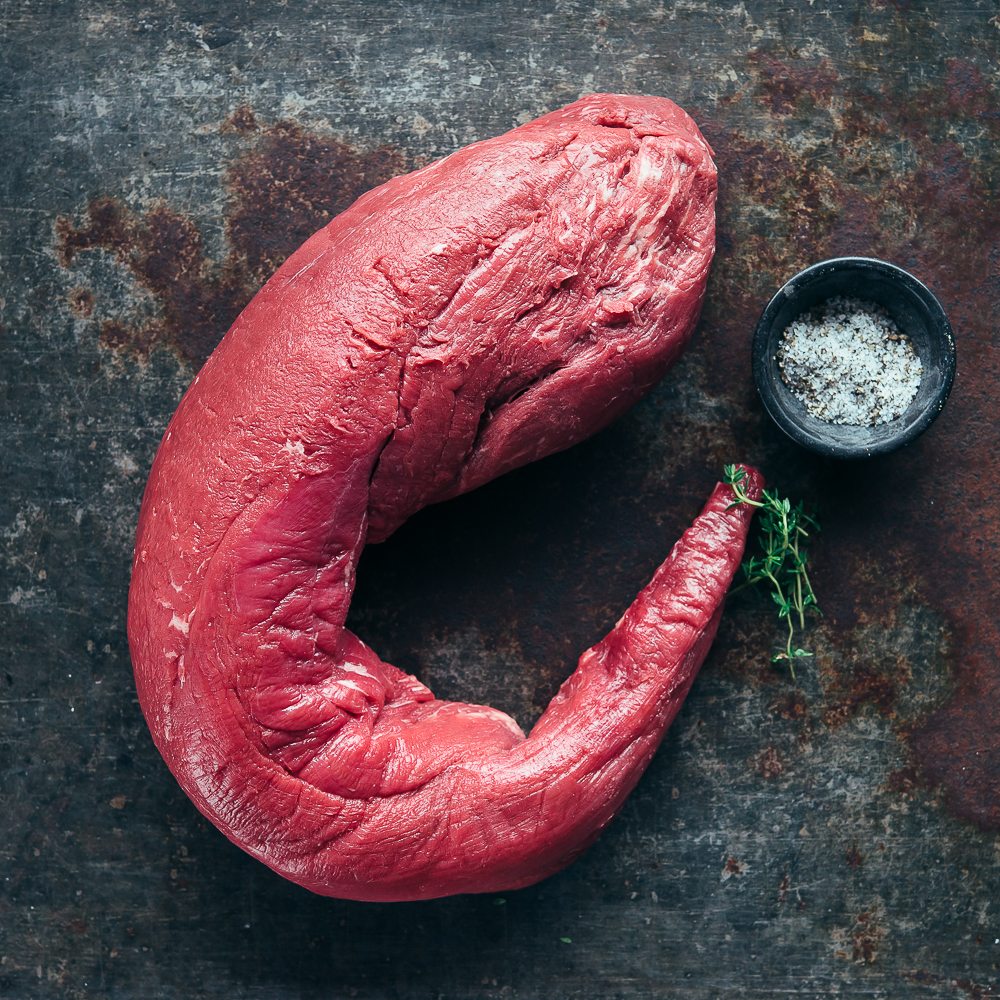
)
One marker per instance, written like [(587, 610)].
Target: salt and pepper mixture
[(849, 363)]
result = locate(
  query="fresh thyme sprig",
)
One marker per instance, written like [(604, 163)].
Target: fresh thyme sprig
[(783, 529)]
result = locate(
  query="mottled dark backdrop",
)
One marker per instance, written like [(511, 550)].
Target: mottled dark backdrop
[(834, 835)]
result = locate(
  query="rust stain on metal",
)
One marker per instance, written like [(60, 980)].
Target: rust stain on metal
[(81, 301), (867, 684), (866, 938), (292, 183), (968, 92), (163, 251), (788, 87), (281, 190), (794, 708), (733, 868), (904, 781), (769, 764), (783, 886), (242, 121)]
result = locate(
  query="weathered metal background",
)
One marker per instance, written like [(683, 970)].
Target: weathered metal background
[(836, 835)]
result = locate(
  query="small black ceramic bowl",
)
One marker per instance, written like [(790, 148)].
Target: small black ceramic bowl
[(915, 311)]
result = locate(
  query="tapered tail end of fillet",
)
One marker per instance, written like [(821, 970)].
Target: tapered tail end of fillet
[(682, 602)]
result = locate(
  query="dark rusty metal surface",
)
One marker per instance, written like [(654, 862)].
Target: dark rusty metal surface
[(832, 835)]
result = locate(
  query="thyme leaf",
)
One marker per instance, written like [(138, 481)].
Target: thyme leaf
[(783, 530)]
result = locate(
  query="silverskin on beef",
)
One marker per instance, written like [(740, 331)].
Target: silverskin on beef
[(492, 308)]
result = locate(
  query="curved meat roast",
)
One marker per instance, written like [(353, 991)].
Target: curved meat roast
[(487, 310)]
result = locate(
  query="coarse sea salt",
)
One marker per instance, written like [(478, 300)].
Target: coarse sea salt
[(849, 363)]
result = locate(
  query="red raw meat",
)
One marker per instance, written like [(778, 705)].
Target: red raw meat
[(454, 323)]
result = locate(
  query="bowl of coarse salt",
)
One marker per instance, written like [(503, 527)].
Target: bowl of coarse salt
[(853, 357)]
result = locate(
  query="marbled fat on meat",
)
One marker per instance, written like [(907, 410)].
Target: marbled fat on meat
[(487, 310)]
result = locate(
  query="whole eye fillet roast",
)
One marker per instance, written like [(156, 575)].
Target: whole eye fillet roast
[(492, 308)]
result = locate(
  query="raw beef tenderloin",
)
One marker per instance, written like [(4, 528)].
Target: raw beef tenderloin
[(454, 323)]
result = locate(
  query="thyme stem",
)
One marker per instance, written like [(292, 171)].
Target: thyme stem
[(781, 562)]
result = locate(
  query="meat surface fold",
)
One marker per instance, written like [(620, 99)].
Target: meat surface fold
[(487, 310)]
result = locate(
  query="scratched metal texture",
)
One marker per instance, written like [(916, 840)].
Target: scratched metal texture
[(832, 835)]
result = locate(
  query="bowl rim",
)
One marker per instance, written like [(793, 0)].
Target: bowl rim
[(762, 367)]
